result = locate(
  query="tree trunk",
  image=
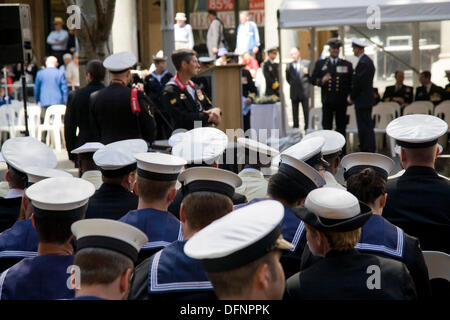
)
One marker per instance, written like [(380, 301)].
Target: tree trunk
[(96, 24)]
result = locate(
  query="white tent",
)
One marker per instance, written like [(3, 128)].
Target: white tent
[(315, 13)]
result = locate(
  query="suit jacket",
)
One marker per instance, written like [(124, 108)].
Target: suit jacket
[(77, 116), (419, 203), (111, 117), (254, 185), (270, 71), (181, 109), (447, 92), (50, 87), (111, 202), (345, 276), (299, 82), (362, 92), (248, 85), (338, 87), (215, 37), (436, 94), (404, 92)]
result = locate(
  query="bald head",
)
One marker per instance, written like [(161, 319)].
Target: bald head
[(51, 62)]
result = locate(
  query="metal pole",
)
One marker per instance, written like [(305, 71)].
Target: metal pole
[(168, 38), (415, 57), (25, 97), (313, 60), (283, 132)]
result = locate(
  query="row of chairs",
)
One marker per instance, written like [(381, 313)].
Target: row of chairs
[(12, 122), (383, 113)]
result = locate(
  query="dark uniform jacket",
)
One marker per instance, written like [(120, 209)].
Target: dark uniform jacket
[(176, 203), (171, 275), (9, 212), (419, 203), (346, 276), (182, 109), (299, 82), (111, 202), (293, 230), (39, 278), (447, 92), (18, 242), (270, 71), (338, 87), (248, 85), (436, 94), (362, 92), (77, 116), (382, 238), (153, 88), (112, 119), (404, 92)]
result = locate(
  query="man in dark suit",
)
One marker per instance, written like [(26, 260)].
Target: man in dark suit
[(112, 116), (399, 93), (297, 75), (334, 76), (270, 70), (77, 112), (344, 273), (419, 201), (362, 96), (428, 91)]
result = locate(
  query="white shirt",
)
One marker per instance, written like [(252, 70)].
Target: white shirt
[(73, 74), (57, 36), (14, 193), (244, 35), (184, 34)]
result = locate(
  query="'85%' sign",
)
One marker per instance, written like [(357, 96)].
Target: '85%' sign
[(221, 5)]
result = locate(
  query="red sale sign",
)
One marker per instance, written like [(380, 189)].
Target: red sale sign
[(256, 4), (221, 5)]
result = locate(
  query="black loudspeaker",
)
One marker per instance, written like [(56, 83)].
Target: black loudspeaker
[(16, 35)]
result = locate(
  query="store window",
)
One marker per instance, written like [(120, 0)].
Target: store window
[(228, 12)]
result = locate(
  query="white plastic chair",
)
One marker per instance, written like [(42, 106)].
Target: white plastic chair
[(314, 120), (438, 264), (53, 125), (383, 113), (419, 107), (352, 127), (34, 119)]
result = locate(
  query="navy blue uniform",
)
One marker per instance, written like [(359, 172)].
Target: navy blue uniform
[(270, 70), (334, 92), (171, 275), (39, 278), (161, 228), (403, 91), (435, 95), (9, 212), (111, 202), (293, 230)]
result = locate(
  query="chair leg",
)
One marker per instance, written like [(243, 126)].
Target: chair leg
[(57, 137)]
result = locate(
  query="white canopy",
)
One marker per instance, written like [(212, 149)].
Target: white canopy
[(316, 13)]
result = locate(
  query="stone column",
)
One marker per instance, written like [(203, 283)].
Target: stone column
[(439, 67), (124, 29)]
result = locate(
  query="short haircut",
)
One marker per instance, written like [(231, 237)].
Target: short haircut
[(96, 69), (367, 186), (180, 55), (101, 266), (202, 208), (283, 187), (67, 55), (340, 241), (153, 190), (56, 230), (18, 179), (397, 71), (421, 155), (426, 74), (212, 12), (238, 282)]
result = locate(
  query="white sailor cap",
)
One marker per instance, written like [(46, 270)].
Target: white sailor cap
[(331, 209), (201, 146), (334, 141), (117, 159), (180, 16), (206, 60), (309, 151), (177, 137), (257, 147), (89, 147), (417, 130), (120, 62), (109, 234), (359, 42), (239, 238), (36, 174), (1, 158), (159, 166), (356, 162), (24, 152), (209, 179), (301, 172), (54, 195)]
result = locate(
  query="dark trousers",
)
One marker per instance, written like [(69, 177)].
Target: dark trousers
[(366, 133), (305, 107), (59, 55), (338, 111)]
